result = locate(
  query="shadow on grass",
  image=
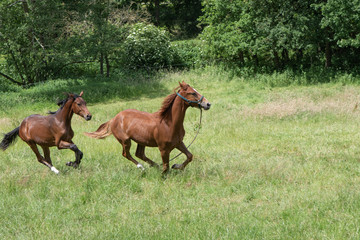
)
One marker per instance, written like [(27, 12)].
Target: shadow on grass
[(129, 85)]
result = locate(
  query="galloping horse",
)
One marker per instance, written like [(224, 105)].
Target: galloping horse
[(163, 129), (51, 130)]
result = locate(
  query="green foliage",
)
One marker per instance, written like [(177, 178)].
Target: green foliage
[(28, 34), (47, 39), (188, 53), (147, 46), (180, 17), (186, 14), (254, 31), (343, 17), (281, 34), (39, 39)]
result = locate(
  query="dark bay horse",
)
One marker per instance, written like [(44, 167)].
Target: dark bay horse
[(163, 129), (51, 130)]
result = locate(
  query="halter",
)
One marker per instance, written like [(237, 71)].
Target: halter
[(189, 101)]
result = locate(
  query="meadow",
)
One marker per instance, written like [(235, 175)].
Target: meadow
[(273, 160)]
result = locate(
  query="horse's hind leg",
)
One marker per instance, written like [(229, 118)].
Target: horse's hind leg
[(188, 154), (48, 159), (41, 159), (126, 152), (47, 154), (140, 153)]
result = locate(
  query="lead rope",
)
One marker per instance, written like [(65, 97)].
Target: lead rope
[(193, 139)]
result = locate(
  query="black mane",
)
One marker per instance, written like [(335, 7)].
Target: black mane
[(62, 103)]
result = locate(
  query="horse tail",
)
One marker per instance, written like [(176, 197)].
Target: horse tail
[(9, 138), (102, 132)]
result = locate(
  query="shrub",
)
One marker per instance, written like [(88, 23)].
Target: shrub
[(189, 53), (147, 46)]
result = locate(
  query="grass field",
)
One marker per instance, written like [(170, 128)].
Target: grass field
[(269, 163)]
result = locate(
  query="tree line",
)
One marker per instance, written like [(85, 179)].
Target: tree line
[(40, 39), (283, 33)]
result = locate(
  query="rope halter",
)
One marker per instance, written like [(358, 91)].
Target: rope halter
[(198, 102)]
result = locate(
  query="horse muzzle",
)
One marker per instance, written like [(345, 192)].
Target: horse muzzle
[(87, 117), (205, 105)]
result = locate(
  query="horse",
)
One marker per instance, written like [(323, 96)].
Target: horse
[(51, 130), (163, 129)]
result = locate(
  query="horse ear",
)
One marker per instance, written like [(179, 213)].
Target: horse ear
[(183, 85), (81, 93)]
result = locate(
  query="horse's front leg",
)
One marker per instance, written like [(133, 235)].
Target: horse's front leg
[(74, 148), (188, 154), (165, 158)]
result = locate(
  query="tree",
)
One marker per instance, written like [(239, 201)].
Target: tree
[(283, 33), (99, 28), (341, 22), (28, 32), (179, 16), (39, 38)]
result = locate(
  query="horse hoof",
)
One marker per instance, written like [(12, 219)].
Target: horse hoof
[(69, 164), (177, 166)]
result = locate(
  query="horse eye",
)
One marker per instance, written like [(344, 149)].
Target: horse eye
[(194, 94), (78, 104)]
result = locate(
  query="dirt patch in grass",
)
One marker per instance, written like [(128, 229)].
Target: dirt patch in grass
[(5, 121), (281, 106)]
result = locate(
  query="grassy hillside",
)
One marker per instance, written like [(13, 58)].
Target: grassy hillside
[(270, 162)]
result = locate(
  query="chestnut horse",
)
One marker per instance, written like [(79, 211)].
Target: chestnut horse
[(51, 130), (163, 129)]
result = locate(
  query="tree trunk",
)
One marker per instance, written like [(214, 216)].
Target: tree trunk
[(157, 11), (15, 63), (11, 79), (25, 7), (299, 55), (285, 55), (241, 57), (101, 64), (107, 66), (328, 55), (256, 60), (276, 59), (27, 11)]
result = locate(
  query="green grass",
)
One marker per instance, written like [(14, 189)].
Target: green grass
[(269, 163)]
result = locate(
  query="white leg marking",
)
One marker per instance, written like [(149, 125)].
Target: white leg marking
[(140, 166), (54, 170)]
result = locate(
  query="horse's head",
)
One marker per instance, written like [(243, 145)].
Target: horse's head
[(192, 97), (79, 106)]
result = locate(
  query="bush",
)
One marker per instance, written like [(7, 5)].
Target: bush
[(189, 53), (147, 46)]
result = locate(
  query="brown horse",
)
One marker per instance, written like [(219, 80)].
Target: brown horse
[(51, 130), (163, 129)]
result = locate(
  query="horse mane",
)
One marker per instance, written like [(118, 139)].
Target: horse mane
[(62, 103), (167, 104)]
